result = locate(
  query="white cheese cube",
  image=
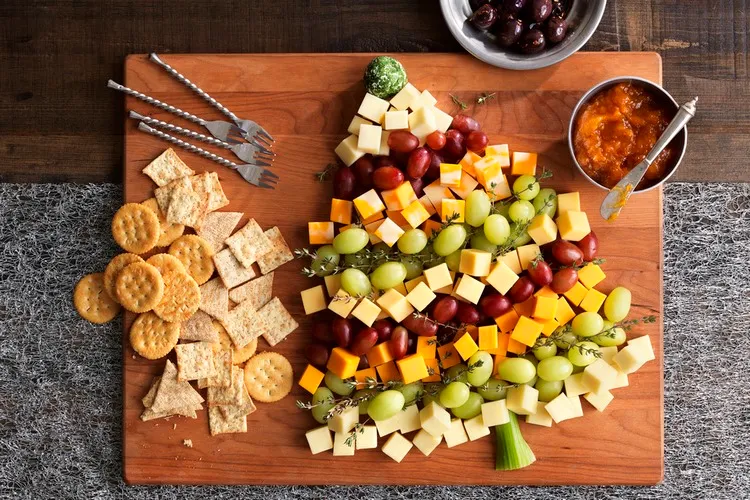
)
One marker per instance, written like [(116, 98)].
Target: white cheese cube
[(421, 296), (426, 442), (373, 108), (422, 122), (367, 438), (540, 417), (369, 138), (333, 284), (560, 408), (410, 420), (405, 96), (347, 150), (575, 386), (342, 423), (396, 120), (435, 419), (319, 440), (355, 123), (629, 359), (575, 403), (621, 380), (643, 344), (456, 435), (522, 400), (397, 447), (608, 353), (443, 120), (342, 445), (475, 428), (599, 400), (389, 232), (389, 426), (495, 413), (425, 100), (599, 375), (384, 149)]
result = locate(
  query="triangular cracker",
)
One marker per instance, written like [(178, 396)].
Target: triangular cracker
[(195, 360), (207, 185), (199, 327), (279, 323), (231, 271), (231, 395), (150, 414), (257, 292), (221, 425), (223, 365), (217, 227), (249, 243), (186, 206), (214, 298), (148, 399), (243, 324), (280, 253), (166, 168), (173, 393)]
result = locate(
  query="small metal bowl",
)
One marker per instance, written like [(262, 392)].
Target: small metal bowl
[(584, 17), (680, 139)]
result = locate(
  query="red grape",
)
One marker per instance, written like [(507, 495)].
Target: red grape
[(418, 186), (495, 305), (433, 171), (384, 161), (566, 253), (467, 313), (342, 331), (363, 363), (540, 273), (465, 124), (344, 183), (365, 340), (455, 147), (476, 141), (421, 326), (322, 333), (387, 178), (521, 290), (564, 280), (399, 342), (589, 245), (317, 355), (400, 160), (445, 309), (384, 327), (363, 169), (436, 140), (419, 162), (402, 141)]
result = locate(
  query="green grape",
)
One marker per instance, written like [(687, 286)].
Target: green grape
[(411, 391), (533, 381), (454, 260), (587, 324), (327, 258), (351, 241), (521, 238), (427, 399), (493, 390), (578, 369), (617, 304), (583, 353), (554, 368), (480, 242), (521, 211), (526, 187), (454, 395), (432, 388), (358, 259), (449, 240), (477, 208), (379, 252), (613, 337), (385, 405), (413, 266), (337, 385), (501, 208), (458, 373), (412, 241), (532, 359), (480, 374), (516, 370), (471, 408), (364, 405), (323, 397), (496, 229), (544, 351), (564, 339), (388, 275), (355, 282), (548, 390), (545, 202)]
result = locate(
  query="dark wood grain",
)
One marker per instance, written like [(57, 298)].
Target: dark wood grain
[(58, 121)]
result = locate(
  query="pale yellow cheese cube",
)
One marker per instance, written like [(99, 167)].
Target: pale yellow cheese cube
[(396, 120), (629, 359), (368, 204), (427, 204), (420, 297), (333, 284), (409, 421), (367, 438), (542, 229), (373, 108), (403, 99), (599, 376), (575, 385), (436, 194), (467, 186), (495, 413), (540, 416), (608, 353), (560, 408), (599, 400), (470, 289), (355, 123), (395, 305), (397, 447), (502, 277), (475, 428), (512, 261), (366, 311), (345, 421), (450, 174), (385, 150), (567, 202), (453, 210), (389, 232), (415, 214), (426, 442), (369, 138), (443, 120), (400, 288), (319, 439), (422, 121), (343, 446), (475, 262), (575, 403), (527, 253), (500, 151), (522, 400), (456, 435), (447, 288), (496, 183), (643, 345), (412, 284), (313, 299), (388, 426), (347, 150), (438, 277), (573, 225), (435, 419), (621, 380), (342, 303), (425, 99)]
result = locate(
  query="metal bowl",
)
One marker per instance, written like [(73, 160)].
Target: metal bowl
[(584, 17), (680, 139)]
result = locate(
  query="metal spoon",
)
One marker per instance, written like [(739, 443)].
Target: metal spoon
[(620, 194)]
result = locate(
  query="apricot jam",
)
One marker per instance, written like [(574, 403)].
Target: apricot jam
[(617, 128)]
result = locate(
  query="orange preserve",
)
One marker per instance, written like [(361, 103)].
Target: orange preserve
[(617, 128)]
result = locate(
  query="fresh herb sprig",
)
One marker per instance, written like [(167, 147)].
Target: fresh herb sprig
[(326, 173), (484, 97), (458, 102)]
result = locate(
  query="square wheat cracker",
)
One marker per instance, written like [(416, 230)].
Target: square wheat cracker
[(199, 327), (249, 243), (164, 194), (258, 292), (217, 227), (195, 360), (232, 395), (279, 255), (186, 206), (243, 324), (230, 270), (223, 365), (236, 411), (222, 425), (167, 167), (207, 185), (214, 298), (278, 321)]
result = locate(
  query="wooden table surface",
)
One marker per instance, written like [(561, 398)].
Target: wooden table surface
[(59, 122)]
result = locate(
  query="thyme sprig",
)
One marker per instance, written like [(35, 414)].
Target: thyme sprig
[(359, 428), (445, 379), (458, 102), (484, 97), (371, 383), (324, 174)]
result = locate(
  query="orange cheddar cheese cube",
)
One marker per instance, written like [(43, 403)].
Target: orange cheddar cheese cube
[(525, 308), (545, 291), (436, 194), (397, 217), (433, 370), (567, 202), (591, 275), (412, 368), (497, 360), (496, 183), (361, 376), (549, 327), (467, 162), (373, 218), (430, 226), (573, 226), (488, 339), (448, 356), (415, 214), (501, 152), (379, 354), (389, 232), (427, 347), (523, 163), (453, 209), (564, 312), (388, 372), (450, 175), (526, 331), (399, 198), (542, 229), (371, 229), (341, 211), (465, 346), (368, 204), (593, 300), (342, 363), (507, 322), (320, 233), (488, 164), (516, 347), (502, 345), (576, 294), (468, 183), (311, 379), (545, 308), (427, 204)]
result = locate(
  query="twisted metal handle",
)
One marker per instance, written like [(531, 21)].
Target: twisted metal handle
[(157, 103), (180, 130), (213, 102), (186, 145)]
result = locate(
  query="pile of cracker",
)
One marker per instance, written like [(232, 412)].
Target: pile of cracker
[(200, 298)]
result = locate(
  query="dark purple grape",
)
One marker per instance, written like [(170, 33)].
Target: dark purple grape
[(557, 28), (540, 10), (475, 4), (532, 41), (484, 17), (513, 6), (508, 32)]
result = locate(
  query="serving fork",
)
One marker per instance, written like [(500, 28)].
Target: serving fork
[(253, 174)]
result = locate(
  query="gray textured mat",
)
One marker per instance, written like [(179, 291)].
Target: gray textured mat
[(60, 396)]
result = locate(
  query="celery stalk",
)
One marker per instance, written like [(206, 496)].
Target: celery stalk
[(512, 450)]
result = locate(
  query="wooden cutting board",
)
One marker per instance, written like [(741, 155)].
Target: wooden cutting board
[(306, 101)]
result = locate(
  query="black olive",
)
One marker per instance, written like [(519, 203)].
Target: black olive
[(508, 32), (540, 10), (557, 28), (484, 17), (532, 41), (513, 6), (475, 4)]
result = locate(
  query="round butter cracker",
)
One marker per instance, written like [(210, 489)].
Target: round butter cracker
[(92, 301), (117, 264), (241, 355), (135, 228), (268, 377), (195, 254), (181, 298), (152, 337), (168, 231), (167, 265), (139, 287)]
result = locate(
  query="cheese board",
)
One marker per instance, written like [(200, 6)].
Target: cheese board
[(306, 102)]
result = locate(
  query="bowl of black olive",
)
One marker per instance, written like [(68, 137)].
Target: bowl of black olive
[(522, 34)]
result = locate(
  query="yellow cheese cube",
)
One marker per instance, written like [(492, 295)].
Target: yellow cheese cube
[(508, 321), (456, 435), (321, 233), (517, 347), (368, 204), (495, 413), (389, 425), (438, 277), (468, 183), (467, 162), (398, 217), (522, 400), (311, 379), (564, 312), (427, 204), (420, 297), (448, 356), (395, 305), (433, 368), (608, 353), (488, 338), (384, 149), (347, 150), (599, 400), (496, 183), (488, 164), (475, 262), (342, 303), (549, 327), (453, 209), (470, 289), (475, 428), (427, 347), (443, 120), (525, 308), (377, 216), (425, 442), (575, 401), (366, 311), (404, 97), (644, 347), (412, 284), (396, 120), (435, 419), (599, 376), (422, 121), (342, 362), (355, 123), (371, 229), (313, 299), (527, 254), (388, 372), (567, 202), (363, 377), (465, 346), (341, 211), (379, 355), (367, 438), (333, 284), (409, 421), (425, 99), (412, 368), (399, 198), (319, 439), (526, 331), (448, 288), (500, 151), (545, 308), (436, 194), (591, 275), (400, 288), (576, 294), (560, 409), (542, 229), (512, 261), (593, 300), (450, 175), (573, 225), (415, 214), (546, 291), (430, 226), (621, 380), (575, 385), (523, 163), (389, 232), (397, 447), (502, 277), (373, 108), (540, 416), (369, 138)]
